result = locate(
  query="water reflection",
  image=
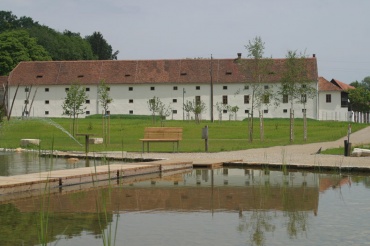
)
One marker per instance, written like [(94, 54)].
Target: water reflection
[(220, 207), (16, 163)]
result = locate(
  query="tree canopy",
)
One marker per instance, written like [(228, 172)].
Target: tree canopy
[(17, 46), (360, 96), (46, 44)]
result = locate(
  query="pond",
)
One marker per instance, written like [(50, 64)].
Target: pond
[(16, 163), (227, 206)]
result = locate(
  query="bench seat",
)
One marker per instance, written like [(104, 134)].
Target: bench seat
[(162, 134)]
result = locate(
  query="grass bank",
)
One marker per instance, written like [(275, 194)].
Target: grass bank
[(125, 133)]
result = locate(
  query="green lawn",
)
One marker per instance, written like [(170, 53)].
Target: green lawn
[(125, 133)]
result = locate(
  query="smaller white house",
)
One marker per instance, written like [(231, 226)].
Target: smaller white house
[(333, 100)]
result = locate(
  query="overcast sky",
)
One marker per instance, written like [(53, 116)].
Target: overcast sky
[(337, 31)]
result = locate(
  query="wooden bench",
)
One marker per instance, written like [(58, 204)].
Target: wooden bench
[(162, 134)]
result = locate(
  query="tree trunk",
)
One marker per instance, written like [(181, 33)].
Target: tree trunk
[(291, 125), (304, 126), (262, 134)]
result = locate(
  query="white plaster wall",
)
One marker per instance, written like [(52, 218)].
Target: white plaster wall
[(332, 110), (165, 92)]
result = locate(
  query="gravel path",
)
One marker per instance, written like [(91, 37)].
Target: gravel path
[(293, 154)]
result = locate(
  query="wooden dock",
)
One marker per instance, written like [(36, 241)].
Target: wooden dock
[(89, 176)]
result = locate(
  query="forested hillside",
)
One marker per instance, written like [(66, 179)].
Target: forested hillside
[(23, 39)]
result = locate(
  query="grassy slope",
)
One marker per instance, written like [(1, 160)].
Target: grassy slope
[(125, 134)]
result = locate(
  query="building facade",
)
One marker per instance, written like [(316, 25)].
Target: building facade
[(38, 89)]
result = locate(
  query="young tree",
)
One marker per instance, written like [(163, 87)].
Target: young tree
[(220, 108), (199, 107), (296, 86), (163, 111), (105, 99), (234, 109), (73, 103), (153, 106), (188, 108), (258, 68)]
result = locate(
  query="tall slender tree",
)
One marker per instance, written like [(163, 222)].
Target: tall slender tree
[(258, 68), (296, 86)]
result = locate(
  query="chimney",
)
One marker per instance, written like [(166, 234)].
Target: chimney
[(239, 55), (314, 55)]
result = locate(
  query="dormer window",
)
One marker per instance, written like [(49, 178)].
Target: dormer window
[(39, 76), (229, 73), (80, 76), (127, 75), (183, 73)]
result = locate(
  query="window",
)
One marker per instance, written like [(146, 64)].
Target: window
[(108, 112), (87, 112), (228, 73), (87, 89), (246, 111), (304, 86), (285, 98), (152, 88), (130, 88), (246, 87), (344, 99), (183, 73), (131, 112), (174, 100), (224, 99), (197, 88), (285, 111), (127, 75), (328, 98), (224, 87), (25, 101), (46, 89), (87, 101), (197, 100), (175, 88), (246, 99), (131, 101), (39, 76), (108, 88), (80, 76), (66, 89), (46, 112), (266, 98), (265, 111), (46, 101), (304, 110), (174, 111), (266, 87), (224, 111), (26, 89), (303, 98)]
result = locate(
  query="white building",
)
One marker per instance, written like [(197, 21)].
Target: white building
[(38, 88)]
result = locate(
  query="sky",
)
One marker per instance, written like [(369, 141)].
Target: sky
[(336, 31)]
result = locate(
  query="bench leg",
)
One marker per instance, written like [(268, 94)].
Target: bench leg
[(147, 146)]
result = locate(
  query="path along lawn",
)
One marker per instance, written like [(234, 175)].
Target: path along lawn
[(125, 133)]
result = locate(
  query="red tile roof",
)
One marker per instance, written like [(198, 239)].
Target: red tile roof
[(143, 71), (333, 85)]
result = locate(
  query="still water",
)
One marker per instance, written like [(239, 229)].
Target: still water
[(228, 206), (16, 163)]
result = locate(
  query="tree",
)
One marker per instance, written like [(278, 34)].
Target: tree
[(100, 47), (105, 100), (73, 103), (359, 99), (258, 68), (234, 109), (296, 86), (197, 107), (17, 46), (153, 106), (163, 111)]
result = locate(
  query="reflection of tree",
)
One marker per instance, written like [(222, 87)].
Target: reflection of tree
[(260, 219), (297, 223), (258, 224)]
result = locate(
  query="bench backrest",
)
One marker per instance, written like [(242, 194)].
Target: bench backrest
[(173, 133)]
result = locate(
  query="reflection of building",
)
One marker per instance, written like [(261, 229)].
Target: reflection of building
[(209, 190)]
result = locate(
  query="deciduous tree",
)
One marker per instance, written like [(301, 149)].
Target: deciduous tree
[(73, 103)]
